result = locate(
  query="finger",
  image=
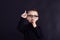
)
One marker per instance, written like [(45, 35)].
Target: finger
[(25, 11)]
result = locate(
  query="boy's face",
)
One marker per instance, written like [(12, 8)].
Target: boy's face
[(32, 16)]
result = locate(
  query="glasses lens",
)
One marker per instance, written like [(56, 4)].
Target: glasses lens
[(32, 16)]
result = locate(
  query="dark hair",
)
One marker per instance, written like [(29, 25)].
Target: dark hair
[(34, 9)]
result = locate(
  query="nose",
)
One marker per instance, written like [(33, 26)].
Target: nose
[(32, 18)]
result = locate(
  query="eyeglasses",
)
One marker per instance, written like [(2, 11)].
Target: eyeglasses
[(32, 15)]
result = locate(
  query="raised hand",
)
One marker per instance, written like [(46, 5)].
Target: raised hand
[(24, 15)]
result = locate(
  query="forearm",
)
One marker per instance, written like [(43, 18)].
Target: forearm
[(21, 25)]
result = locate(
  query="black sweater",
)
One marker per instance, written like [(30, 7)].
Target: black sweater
[(29, 32)]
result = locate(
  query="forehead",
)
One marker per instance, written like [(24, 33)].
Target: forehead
[(32, 13)]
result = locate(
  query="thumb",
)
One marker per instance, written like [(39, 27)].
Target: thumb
[(25, 11)]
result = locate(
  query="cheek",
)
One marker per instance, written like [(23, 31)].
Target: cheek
[(28, 18), (36, 19)]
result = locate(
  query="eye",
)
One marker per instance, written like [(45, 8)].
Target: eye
[(30, 15), (36, 16)]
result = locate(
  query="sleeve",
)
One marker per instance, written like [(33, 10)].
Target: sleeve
[(21, 25), (37, 28)]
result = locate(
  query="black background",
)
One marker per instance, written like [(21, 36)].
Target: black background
[(49, 18)]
